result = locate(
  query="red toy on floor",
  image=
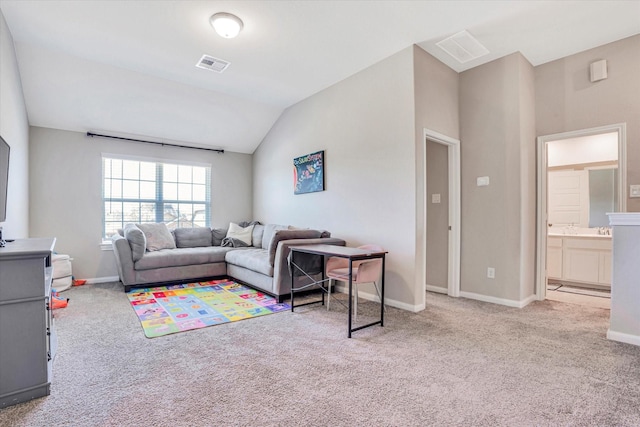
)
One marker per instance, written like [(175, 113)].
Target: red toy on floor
[(57, 301)]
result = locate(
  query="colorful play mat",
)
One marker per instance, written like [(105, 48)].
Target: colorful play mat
[(169, 309)]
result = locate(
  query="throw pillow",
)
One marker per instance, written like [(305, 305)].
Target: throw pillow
[(137, 241), (269, 231), (240, 233), (192, 237), (158, 236)]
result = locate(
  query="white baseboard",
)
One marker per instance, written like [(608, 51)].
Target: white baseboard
[(501, 301), (102, 279), (437, 289), (622, 337), (388, 302)]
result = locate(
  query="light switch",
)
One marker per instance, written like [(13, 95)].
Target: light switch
[(435, 198), (634, 190), (481, 181)]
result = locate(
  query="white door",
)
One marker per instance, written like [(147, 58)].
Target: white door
[(568, 193)]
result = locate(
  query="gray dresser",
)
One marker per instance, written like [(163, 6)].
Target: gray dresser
[(27, 337)]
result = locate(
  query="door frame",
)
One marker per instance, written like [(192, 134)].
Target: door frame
[(453, 264), (542, 214)]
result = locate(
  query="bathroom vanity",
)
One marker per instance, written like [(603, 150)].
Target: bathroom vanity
[(582, 258)]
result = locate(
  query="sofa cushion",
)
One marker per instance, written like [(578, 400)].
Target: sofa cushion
[(256, 237), (323, 233), (255, 259), (288, 235), (181, 257), (192, 237), (269, 231), (158, 236), (137, 240), (217, 234)]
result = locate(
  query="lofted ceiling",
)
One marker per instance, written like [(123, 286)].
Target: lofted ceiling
[(128, 67)]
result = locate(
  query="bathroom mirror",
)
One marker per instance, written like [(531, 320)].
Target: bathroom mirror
[(603, 196)]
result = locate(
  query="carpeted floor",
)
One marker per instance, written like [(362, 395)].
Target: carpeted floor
[(574, 295), (459, 362)]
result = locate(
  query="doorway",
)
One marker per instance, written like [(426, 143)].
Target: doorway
[(565, 211), (441, 260)]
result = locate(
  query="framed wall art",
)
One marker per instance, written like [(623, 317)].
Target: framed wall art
[(308, 173)]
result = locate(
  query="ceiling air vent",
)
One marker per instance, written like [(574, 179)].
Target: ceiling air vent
[(214, 64), (463, 47)]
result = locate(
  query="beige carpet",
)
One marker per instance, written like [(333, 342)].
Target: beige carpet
[(459, 362), (572, 294)]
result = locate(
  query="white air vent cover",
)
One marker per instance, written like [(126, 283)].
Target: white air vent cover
[(214, 64), (463, 47)]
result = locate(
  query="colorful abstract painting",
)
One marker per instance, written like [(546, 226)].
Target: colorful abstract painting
[(308, 173)]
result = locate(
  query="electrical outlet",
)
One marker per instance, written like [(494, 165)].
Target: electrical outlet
[(491, 273)]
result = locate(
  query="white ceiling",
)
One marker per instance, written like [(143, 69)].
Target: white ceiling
[(128, 67)]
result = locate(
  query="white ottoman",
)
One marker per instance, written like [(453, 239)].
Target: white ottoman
[(62, 276)]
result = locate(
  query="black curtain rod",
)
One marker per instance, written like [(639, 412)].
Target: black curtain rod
[(216, 150)]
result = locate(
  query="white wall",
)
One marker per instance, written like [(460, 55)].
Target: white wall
[(14, 128), (365, 124), (66, 191)]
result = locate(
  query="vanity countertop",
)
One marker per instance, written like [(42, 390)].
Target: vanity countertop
[(581, 235)]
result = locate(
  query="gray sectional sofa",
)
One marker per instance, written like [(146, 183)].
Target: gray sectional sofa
[(147, 256)]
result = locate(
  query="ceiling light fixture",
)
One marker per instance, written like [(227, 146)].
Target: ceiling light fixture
[(226, 24)]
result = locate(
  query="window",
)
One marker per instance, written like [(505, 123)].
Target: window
[(140, 190)]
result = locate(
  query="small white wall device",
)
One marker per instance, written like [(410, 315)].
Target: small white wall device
[(482, 181), (598, 70)]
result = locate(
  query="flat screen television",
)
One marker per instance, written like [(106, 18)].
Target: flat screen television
[(4, 178)]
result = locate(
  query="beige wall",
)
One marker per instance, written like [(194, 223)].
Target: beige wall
[(14, 128), (497, 140), (365, 125), (66, 191), (436, 108), (436, 96), (527, 165), (371, 128), (566, 100)]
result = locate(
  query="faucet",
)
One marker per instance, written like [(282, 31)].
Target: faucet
[(604, 231)]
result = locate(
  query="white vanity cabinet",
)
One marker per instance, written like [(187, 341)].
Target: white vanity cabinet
[(587, 260), (554, 257), (580, 258), (583, 259)]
